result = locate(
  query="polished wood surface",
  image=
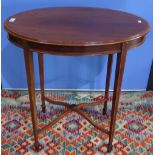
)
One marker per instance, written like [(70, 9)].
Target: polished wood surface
[(107, 85), (75, 50), (76, 26), (41, 74), (28, 56), (74, 31), (120, 64)]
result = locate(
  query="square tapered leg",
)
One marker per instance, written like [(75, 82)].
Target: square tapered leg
[(28, 55), (41, 73)]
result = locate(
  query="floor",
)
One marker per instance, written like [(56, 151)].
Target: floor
[(74, 135)]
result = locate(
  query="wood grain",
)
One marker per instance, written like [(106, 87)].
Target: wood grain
[(76, 26)]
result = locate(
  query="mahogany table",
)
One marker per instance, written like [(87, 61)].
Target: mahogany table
[(76, 31)]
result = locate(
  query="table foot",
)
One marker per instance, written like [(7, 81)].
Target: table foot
[(43, 107), (104, 111), (36, 145), (109, 148)]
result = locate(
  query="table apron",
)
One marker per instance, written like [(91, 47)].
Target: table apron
[(74, 50)]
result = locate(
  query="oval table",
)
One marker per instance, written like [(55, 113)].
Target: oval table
[(76, 31)]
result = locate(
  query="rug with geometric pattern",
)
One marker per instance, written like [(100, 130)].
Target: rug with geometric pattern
[(73, 135)]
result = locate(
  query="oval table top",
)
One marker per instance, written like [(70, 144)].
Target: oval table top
[(76, 26)]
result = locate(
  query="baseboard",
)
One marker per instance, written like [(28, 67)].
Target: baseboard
[(95, 90)]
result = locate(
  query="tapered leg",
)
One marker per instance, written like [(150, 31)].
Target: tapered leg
[(121, 57), (108, 76), (28, 55), (41, 72)]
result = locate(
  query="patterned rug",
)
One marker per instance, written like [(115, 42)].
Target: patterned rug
[(73, 135)]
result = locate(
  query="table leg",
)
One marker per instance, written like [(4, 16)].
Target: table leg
[(108, 76), (41, 72), (28, 55), (121, 57)]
